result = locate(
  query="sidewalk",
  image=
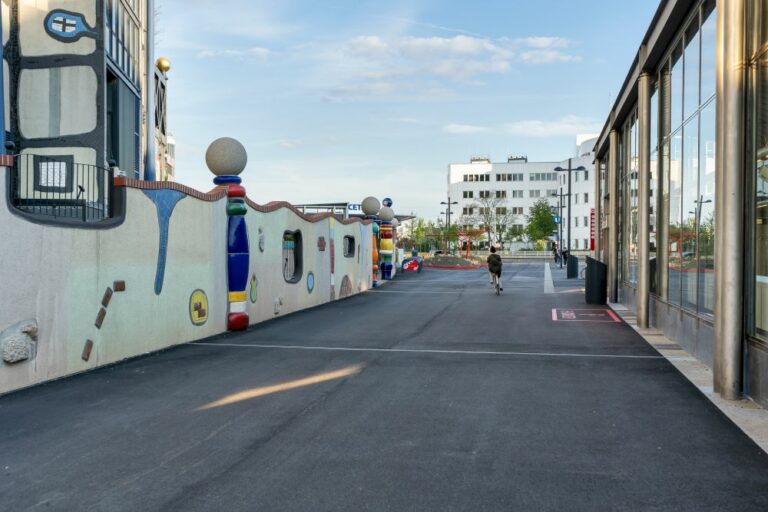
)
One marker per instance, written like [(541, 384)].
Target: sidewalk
[(746, 414)]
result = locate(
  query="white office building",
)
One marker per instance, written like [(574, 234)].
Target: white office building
[(511, 188)]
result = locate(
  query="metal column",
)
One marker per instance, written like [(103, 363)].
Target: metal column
[(613, 217), (731, 70), (644, 192), (597, 199)]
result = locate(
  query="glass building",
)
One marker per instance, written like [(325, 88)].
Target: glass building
[(683, 188)]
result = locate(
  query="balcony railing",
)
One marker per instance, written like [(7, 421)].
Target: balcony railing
[(56, 189)]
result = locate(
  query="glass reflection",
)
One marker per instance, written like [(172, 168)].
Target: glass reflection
[(706, 210), (761, 190), (691, 78), (708, 49), (689, 254), (675, 249)]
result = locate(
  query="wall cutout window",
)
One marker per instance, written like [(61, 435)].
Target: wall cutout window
[(349, 247), (292, 256)]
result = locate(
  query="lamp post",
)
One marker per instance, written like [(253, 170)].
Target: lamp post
[(560, 169), (560, 224), (448, 218)]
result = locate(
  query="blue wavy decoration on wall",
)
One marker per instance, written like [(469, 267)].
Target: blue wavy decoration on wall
[(165, 201)]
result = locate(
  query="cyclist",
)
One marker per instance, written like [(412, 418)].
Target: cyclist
[(494, 266)]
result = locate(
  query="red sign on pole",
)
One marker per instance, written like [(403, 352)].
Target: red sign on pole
[(592, 229)]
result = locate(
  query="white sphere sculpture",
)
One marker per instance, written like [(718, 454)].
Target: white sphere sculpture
[(226, 157), (395, 222), (386, 214), (370, 205)]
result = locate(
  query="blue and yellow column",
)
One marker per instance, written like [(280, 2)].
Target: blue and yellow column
[(226, 158)]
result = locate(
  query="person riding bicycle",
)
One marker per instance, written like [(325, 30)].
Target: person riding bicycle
[(494, 266)]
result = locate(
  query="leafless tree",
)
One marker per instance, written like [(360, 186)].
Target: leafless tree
[(492, 215)]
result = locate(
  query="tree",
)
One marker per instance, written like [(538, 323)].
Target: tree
[(541, 223), (492, 215), (515, 233)]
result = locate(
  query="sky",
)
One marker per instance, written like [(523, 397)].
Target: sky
[(338, 100)]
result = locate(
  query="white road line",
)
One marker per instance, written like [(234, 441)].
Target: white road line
[(549, 286), (413, 292), (424, 351)]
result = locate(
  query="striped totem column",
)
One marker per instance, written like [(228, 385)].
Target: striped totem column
[(371, 206), (375, 258), (387, 243), (226, 158)]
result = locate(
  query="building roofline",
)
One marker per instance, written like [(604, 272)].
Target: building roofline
[(663, 28)]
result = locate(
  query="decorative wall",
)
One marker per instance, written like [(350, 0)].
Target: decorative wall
[(75, 299)]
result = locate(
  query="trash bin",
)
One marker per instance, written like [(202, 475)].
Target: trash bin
[(572, 263), (596, 285)]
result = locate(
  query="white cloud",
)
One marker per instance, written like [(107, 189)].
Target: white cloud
[(374, 65), (464, 129), (248, 53), (366, 46), (425, 47), (547, 57), (545, 42), (567, 125)]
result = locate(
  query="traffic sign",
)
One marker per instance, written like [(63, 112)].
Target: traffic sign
[(557, 219)]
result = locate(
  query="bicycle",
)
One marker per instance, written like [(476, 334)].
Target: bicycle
[(496, 284)]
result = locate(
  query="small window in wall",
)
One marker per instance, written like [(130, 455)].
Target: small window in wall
[(292, 256), (349, 247)]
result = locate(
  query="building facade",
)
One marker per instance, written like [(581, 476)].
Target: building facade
[(509, 189), (78, 85), (683, 187)]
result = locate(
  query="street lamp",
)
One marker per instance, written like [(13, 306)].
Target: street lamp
[(560, 224), (447, 214), (560, 169)]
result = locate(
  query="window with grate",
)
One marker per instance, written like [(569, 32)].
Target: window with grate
[(292, 256)]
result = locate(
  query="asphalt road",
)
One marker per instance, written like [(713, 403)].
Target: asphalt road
[(429, 393)]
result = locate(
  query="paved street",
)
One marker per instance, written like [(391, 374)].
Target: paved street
[(429, 393)]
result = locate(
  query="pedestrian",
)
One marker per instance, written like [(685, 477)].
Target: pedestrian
[(555, 253), (565, 255)]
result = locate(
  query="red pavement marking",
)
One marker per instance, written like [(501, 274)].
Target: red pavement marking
[(613, 315)]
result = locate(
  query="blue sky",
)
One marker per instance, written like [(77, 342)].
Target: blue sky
[(338, 100)]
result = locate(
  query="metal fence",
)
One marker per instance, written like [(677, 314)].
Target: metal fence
[(55, 187)]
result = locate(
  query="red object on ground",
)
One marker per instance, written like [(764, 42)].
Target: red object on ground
[(235, 190), (237, 321), (411, 266)]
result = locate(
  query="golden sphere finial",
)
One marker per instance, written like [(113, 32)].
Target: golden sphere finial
[(163, 64)]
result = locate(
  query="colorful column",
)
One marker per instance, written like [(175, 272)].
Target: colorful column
[(387, 241), (370, 206), (226, 158)]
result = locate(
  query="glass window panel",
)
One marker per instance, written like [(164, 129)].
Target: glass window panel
[(633, 202), (689, 255), (760, 69), (706, 210), (654, 178), (654, 142), (654, 168), (675, 218), (691, 78), (708, 50), (676, 90)]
